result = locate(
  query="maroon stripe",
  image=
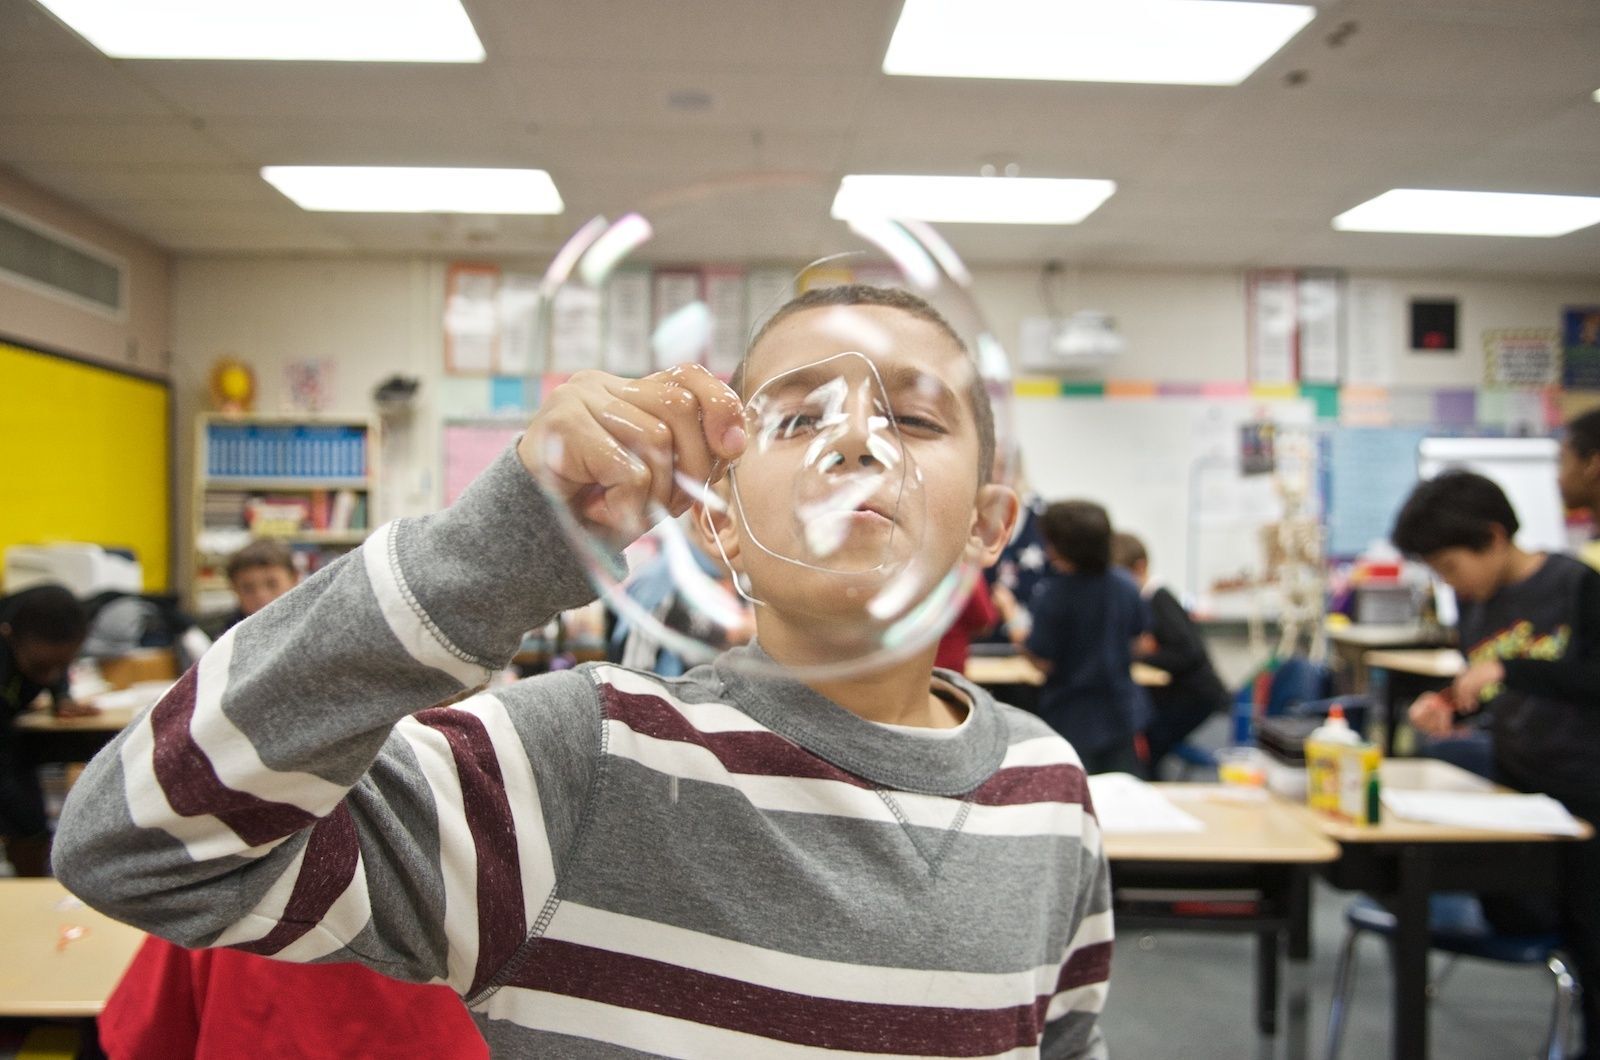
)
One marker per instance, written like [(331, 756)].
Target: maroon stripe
[(325, 872), (1020, 785), (501, 923), (760, 753), (631, 982), (190, 783), (1088, 964)]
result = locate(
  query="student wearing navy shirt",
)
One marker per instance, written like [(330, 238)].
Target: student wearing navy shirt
[(1086, 617)]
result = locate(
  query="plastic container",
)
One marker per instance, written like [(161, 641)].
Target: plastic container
[(1242, 767)]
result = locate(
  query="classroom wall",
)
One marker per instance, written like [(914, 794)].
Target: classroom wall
[(379, 316), (139, 340)]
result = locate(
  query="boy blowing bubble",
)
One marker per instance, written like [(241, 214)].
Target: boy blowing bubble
[(603, 862)]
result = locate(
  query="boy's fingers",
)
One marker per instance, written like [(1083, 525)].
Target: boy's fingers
[(721, 412), (699, 411), (645, 437)]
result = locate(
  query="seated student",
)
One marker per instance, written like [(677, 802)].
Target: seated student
[(1174, 644), (1578, 475), (737, 862), (1530, 629), (41, 630), (258, 573), (1086, 618)]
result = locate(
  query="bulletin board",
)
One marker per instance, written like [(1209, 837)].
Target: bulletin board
[(88, 457), (470, 446), (1168, 471)]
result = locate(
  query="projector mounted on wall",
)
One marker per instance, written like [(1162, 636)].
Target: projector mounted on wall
[(1086, 337), (1082, 342)]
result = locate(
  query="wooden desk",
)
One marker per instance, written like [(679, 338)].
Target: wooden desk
[(53, 739), (1411, 673), (1352, 641), (43, 973), (1401, 863), (1017, 670), (1254, 841)]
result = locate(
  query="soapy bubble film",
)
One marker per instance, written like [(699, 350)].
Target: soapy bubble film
[(849, 511)]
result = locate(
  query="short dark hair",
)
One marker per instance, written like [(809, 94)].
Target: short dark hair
[(1127, 550), (263, 552), (48, 613), (849, 294), (1458, 509), (1080, 533), (1583, 434)]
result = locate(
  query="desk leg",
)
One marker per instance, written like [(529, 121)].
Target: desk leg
[(1300, 914), (1267, 944), (1411, 956), (1392, 693)]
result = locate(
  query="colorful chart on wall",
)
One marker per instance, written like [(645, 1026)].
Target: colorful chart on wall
[(89, 458)]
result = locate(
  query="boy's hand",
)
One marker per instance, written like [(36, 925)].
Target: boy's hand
[(609, 446), (1432, 715), (71, 708), (1467, 691)]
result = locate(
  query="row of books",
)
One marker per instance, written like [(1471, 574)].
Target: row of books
[(239, 450), (284, 514)]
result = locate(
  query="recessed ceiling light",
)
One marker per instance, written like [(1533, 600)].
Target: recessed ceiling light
[(1176, 42), (1471, 213), (374, 31), (404, 189), (976, 200)]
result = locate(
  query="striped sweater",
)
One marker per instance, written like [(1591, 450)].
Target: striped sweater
[(601, 862)]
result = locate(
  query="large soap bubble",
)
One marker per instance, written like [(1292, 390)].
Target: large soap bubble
[(845, 534)]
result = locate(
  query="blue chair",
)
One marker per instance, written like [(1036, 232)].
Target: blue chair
[(1194, 757), (1457, 926)]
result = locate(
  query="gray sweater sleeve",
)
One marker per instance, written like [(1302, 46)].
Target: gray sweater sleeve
[(292, 796)]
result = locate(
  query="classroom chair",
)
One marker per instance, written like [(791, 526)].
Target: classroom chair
[(1457, 926)]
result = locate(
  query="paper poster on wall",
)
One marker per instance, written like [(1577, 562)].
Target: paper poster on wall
[(1522, 357), (725, 293), (1365, 406), (766, 289), (469, 448), (1372, 312), (471, 318), (1321, 315), (1370, 473), (1580, 342), (628, 323), (574, 329), (1270, 299), (519, 324), (309, 384)]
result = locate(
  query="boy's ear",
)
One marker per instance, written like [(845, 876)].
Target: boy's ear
[(715, 531), (994, 518)]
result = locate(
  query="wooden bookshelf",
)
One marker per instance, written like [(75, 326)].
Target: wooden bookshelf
[(310, 482)]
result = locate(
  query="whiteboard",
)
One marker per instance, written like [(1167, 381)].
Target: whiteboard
[(1167, 470), (1524, 467)]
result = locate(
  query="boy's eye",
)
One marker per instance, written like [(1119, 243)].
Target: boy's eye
[(794, 423), (918, 424)]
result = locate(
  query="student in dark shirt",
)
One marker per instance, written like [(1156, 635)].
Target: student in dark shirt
[(1174, 645), (1530, 629), (1085, 618), (1578, 474), (41, 630)]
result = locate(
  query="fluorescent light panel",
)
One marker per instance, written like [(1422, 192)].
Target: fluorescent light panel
[(975, 200), (1167, 42), (1471, 213), (374, 31), (403, 189)]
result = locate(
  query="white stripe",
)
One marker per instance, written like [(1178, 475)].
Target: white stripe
[(1040, 751), (427, 646), (660, 1035), (707, 717), (837, 798), (234, 757), (343, 921), (458, 857), (266, 913), (811, 976), (1095, 929), (1090, 998), (535, 862), (204, 837)]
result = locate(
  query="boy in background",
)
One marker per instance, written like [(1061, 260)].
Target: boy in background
[(1174, 644), (1086, 618), (1530, 629), (601, 861), (1578, 475), (41, 630), (258, 573)]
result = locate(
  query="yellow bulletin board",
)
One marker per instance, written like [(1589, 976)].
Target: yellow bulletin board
[(85, 455)]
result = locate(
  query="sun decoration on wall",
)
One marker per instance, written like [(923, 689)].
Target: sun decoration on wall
[(232, 385)]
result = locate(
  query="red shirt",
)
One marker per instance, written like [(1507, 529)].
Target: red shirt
[(977, 616), (223, 1004)]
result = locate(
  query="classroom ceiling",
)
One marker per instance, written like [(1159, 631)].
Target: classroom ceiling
[(731, 123)]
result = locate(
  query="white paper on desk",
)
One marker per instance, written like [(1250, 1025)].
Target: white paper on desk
[(134, 697), (1494, 811), (1126, 805)]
